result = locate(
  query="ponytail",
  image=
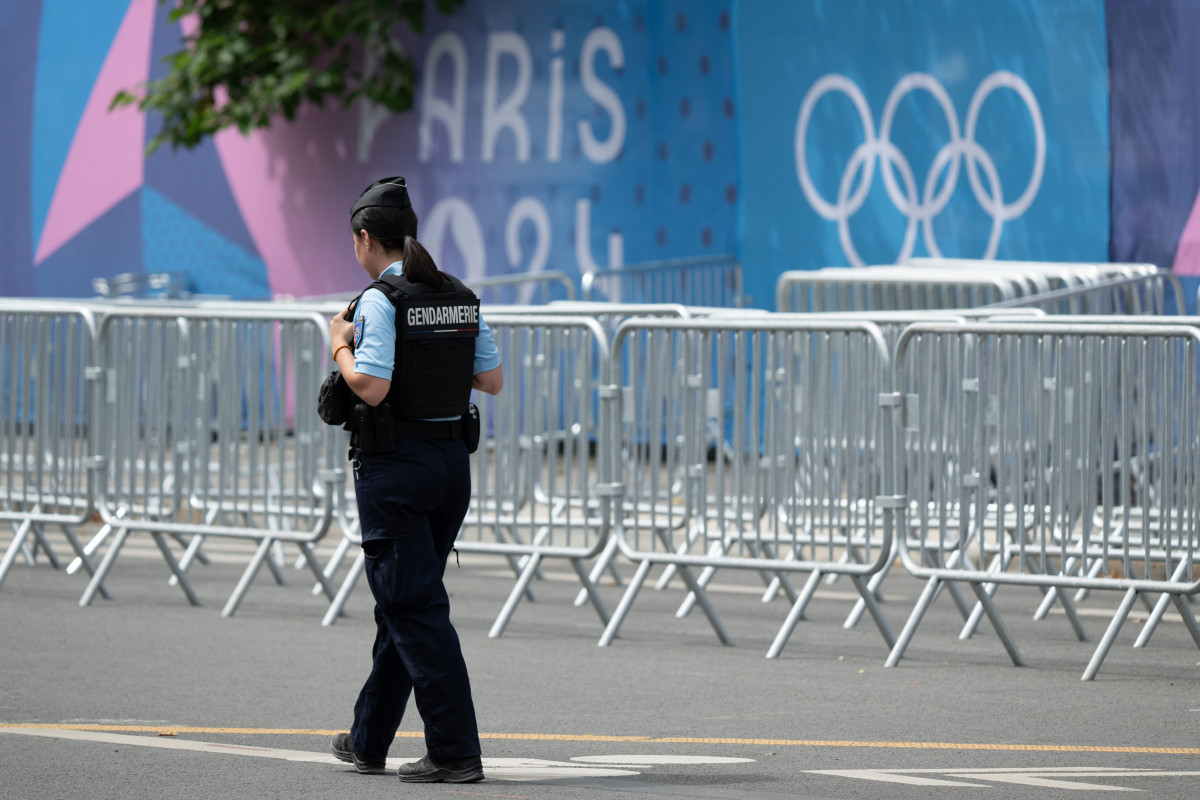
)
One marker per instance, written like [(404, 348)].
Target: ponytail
[(418, 264)]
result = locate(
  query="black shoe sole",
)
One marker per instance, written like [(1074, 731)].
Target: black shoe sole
[(363, 769), (444, 776)]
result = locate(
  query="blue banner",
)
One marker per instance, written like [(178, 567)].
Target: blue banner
[(872, 132)]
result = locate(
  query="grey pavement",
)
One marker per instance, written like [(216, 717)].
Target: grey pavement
[(144, 696)]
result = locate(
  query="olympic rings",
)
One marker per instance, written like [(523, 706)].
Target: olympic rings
[(919, 210)]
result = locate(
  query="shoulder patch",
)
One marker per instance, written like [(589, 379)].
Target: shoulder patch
[(358, 331)]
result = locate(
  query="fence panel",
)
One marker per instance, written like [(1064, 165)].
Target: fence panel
[(1049, 455), (206, 428), (896, 288), (751, 444), (712, 281), (46, 369)]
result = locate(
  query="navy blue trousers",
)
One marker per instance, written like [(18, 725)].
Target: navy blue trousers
[(411, 503)]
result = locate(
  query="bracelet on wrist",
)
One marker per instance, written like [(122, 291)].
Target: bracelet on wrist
[(339, 349)]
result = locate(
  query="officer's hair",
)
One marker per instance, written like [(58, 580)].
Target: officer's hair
[(396, 229)]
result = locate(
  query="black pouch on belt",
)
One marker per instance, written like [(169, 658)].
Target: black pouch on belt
[(334, 399), (471, 427), (374, 428)]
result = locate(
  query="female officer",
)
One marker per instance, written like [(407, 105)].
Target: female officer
[(411, 501)]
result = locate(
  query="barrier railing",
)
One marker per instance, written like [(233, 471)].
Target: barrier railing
[(46, 365), (1021, 445), (198, 434), (893, 288), (721, 470), (1056, 453), (714, 281), (540, 485), (1150, 294)]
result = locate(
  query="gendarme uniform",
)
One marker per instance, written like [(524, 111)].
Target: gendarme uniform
[(412, 500)]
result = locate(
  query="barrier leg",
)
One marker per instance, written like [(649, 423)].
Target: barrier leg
[(83, 558), (999, 564), (795, 614), (928, 595), (334, 564), (91, 547), (860, 604), (689, 578), (706, 575), (631, 593), (669, 571), (1189, 619), (998, 624), (274, 562), (235, 599), (343, 593), (775, 580), (176, 569), (106, 564), (604, 562), (872, 604), (589, 586), (10, 555), (1160, 608), (532, 563), (1110, 635), (777, 584), (186, 542), (40, 541), (191, 552), (514, 563), (705, 605), (310, 558)]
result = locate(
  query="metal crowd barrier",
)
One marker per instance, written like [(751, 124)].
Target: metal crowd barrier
[(1049, 455), (198, 434), (165, 285), (1147, 293), (714, 281), (46, 368), (539, 485), (506, 451), (892, 288), (1039, 276), (751, 444)]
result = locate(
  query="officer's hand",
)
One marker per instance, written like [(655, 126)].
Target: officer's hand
[(341, 329)]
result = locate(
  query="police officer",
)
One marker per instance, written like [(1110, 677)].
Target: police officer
[(415, 349)]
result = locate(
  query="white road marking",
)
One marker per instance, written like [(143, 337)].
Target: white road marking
[(647, 761), (506, 769), (1044, 778)]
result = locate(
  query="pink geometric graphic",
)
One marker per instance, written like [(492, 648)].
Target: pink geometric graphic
[(1187, 253), (105, 163), (293, 185)]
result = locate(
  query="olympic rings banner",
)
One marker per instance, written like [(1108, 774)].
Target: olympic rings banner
[(574, 134), (872, 132)]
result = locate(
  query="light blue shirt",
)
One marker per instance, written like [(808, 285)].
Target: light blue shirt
[(375, 335)]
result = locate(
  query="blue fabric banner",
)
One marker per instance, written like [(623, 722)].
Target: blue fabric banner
[(872, 132)]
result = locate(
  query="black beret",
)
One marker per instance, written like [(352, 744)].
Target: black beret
[(389, 192)]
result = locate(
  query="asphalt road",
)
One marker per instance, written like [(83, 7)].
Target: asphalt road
[(144, 696)]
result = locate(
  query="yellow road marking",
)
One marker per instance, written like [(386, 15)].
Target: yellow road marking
[(168, 730)]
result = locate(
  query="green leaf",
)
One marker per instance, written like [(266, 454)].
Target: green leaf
[(270, 57)]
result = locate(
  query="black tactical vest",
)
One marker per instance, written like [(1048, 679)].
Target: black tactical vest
[(435, 346)]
